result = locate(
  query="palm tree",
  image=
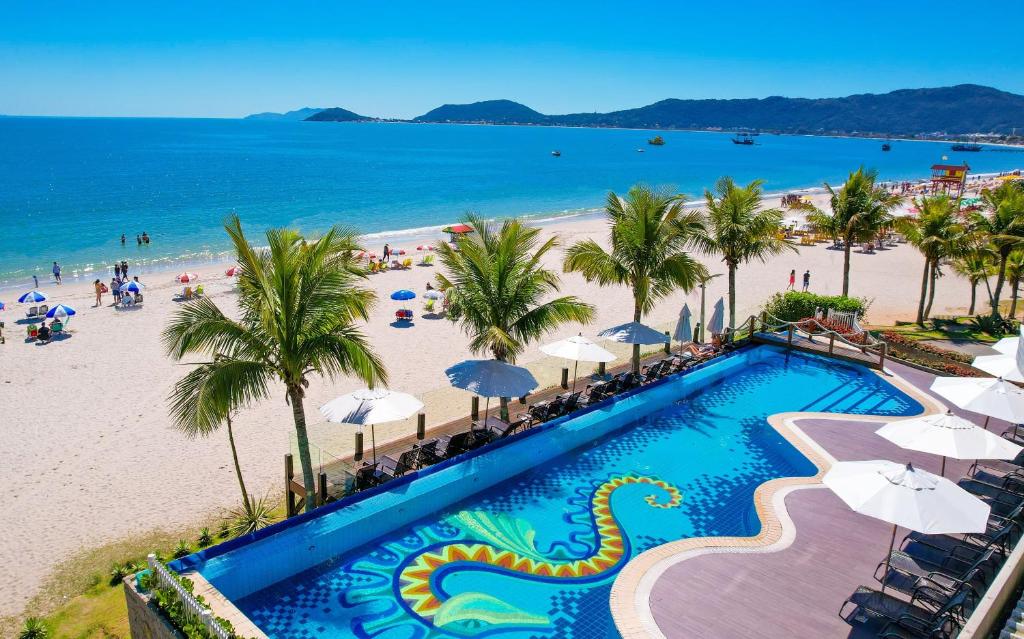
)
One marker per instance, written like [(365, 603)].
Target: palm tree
[(937, 233), (976, 265), (739, 230), (1014, 275), (1003, 226), (496, 286), (649, 235), (201, 401), (860, 210), (298, 302)]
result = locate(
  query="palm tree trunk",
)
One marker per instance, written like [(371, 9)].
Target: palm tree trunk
[(1000, 278), (988, 287), (931, 292), (924, 291), (302, 439), (238, 468), (732, 295), (1013, 299), (846, 266), (636, 347), (974, 296)]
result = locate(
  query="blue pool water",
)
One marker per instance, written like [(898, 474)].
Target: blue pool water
[(69, 187), (486, 551)]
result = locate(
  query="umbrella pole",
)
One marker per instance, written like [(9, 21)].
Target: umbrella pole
[(942, 472), (575, 372), (373, 443), (888, 556), (986, 422)]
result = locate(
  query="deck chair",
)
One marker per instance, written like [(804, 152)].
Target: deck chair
[(388, 468), (866, 604), (907, 574), (407, 262), (43, 310), (33, 311), (366, 476)]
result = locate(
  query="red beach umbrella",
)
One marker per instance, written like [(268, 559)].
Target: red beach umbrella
[(185, 278), (233, 271)]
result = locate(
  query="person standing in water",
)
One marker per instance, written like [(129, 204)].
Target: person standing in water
[(807, 280), (122, 239), (792, 280), (56, 272)]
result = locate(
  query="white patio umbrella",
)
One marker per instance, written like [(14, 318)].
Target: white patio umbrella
[(1009, 365), (906, 496), (684, 330), (491, 378), (633, 333), (717, 322), (579, 349), (1010, 345), (371, 406), (950, 436), (988, 396)]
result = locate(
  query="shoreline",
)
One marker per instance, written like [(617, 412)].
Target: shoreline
[(222, 258)]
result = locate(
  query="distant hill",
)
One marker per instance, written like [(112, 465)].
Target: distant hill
[(488, 111), (965, 108), (337, 114), (298, 114)]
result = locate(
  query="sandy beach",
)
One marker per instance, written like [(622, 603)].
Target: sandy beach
[(90, 456)]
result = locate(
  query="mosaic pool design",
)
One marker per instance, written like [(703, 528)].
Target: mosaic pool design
[(534, 556)]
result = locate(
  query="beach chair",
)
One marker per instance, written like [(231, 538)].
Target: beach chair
[(366, 476), (43, 309), (427, 260), (425, 453), (187, 293), (428, 306), (867, 607), (906, 574), (407, 263), (458, 444), (137, 299), (403, 315), (32, 332), (388, 468), (33, 311)]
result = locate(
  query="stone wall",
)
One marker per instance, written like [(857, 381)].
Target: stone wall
[(144, 620)]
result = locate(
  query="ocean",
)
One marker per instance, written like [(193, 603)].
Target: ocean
[(69, 187)]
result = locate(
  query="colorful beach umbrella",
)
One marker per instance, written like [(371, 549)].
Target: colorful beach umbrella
[(433, 294), (32, 297), (185, 278), (131, 287), (233, 271), (60, 311), (458, 229), (403, 295)]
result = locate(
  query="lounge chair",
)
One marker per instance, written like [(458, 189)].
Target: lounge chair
[(1001, 539), (366, 476), (543, 411), (428, 306), (407, 262), (427, 260), (906, 573), (571, 403), (866, 604), (43, 309), (603, 390), (32, 332), (424, 453), (1012, 481), (33, 311), (981, 489), (944, 627), (388, 468)]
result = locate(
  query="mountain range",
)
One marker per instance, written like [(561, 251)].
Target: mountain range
[(961, 109)]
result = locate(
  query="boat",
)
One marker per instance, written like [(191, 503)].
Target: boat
[(744, 139), (639, 150), (887, 147), (656, 141), (966, 147), (557, 154)]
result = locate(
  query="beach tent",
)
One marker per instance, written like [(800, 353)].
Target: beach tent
[(371, 406), (906, 496)]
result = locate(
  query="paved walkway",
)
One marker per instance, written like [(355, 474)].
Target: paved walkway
[(797, 591)]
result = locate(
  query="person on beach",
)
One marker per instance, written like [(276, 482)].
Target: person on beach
[(56, 272), (124, 269), (117, 269), (98, 287), (807, 280), (122, 239), (35, 278), (387, 253), (792, 280), (145, 238), (115, 288)]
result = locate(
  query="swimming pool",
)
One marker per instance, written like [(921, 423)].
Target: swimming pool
[(525, 540)]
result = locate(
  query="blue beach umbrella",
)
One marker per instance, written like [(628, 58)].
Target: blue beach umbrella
[(2, 307), (402, 295), (31, 297), (132, 287), (60, 311)]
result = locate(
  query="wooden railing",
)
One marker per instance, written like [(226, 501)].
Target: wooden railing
[(812, 331)]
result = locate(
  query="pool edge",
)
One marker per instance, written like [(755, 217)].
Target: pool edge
[(630, 596)]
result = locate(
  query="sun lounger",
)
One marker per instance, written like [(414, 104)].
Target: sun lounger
[(388, 468), (1012, 481), (906, 573), (866, 603), (963, 544), (944, 627), (366, 476), (981, 489), (33, 311)]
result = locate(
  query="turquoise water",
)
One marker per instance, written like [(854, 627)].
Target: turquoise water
[(69, 187), (525, 541)]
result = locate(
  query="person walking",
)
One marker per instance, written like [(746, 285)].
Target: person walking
[(124, 269), (807, 280), (35, 278), (56, 272), (792, 280), (117, 269), (98, 287), (387, 253)]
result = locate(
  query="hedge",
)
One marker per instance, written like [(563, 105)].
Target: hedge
[(793, 306)]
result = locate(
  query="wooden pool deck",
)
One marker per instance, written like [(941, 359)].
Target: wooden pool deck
[(795, 592)]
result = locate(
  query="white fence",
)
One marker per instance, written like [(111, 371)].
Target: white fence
[(192, 607)]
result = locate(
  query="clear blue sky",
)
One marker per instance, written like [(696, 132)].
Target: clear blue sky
[(227, 59)]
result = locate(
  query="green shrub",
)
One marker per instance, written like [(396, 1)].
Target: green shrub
[(793, 306), (119, 571), (248, 520), (205, 538), (182, 549), (225, 530), (996, 326), (34, 628)]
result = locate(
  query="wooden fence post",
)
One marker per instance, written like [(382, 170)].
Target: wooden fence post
[(790, 338), (751, 336), (565, 377), (289, 473), (764, 321), (831, 342), (601, 369), (322, 489), (421, 426), (474, 408), (882, 352)]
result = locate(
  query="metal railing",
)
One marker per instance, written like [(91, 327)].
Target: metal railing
[(193, 609)]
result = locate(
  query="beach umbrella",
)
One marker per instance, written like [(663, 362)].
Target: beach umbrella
[(399, 252), (403, 295), (579, 349), (31, 297), (1005, 366), (950, 436), (988, 396), (60, 311), (371, 406), (2, 307), (433, 294), (457, 229), (185, 278), (684, 330), (131, 287), (717, 322), (633, 333), (233, 271), (1010, 345), (906, 496), (491, 378)]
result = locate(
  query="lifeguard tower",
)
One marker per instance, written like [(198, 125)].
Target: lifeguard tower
[(951, 178)]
